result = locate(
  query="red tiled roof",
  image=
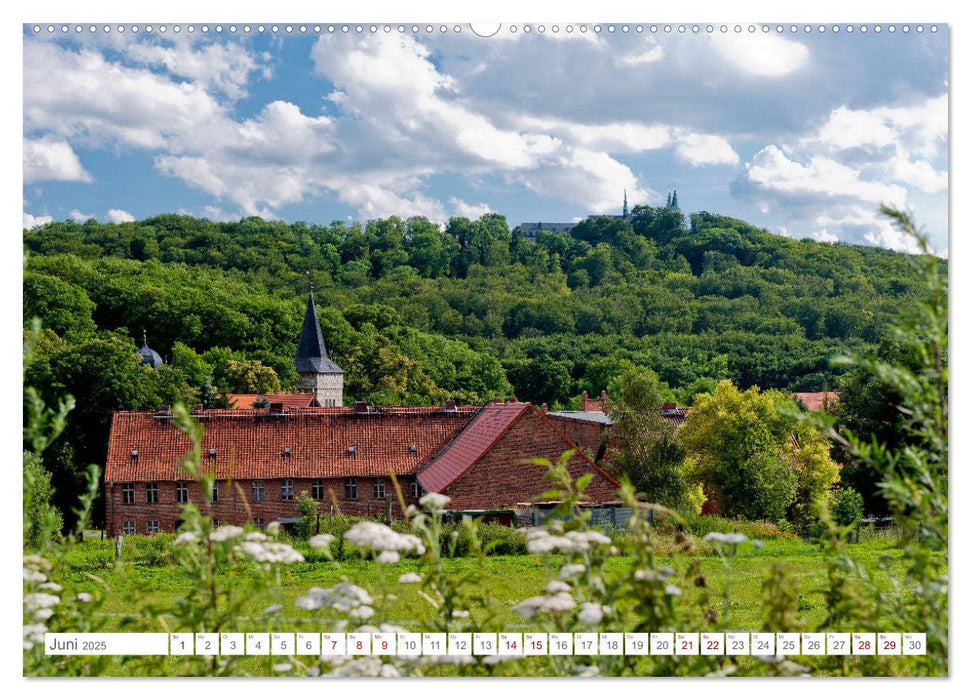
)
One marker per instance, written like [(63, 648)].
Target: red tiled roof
[(250, 444), (244, 401), (815, 400), (467, 447)]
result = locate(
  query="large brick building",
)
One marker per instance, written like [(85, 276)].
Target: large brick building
[(344, 457)]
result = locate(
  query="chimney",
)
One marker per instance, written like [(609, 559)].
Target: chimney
[(546, 409), (450, 405), (276, 407), (584, 396), (510, 399), (360, 407), (668, 406), (603, 394)]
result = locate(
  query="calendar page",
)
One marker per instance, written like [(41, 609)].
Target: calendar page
[(429, 348)]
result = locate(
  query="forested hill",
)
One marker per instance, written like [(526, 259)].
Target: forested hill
[(475, 311)]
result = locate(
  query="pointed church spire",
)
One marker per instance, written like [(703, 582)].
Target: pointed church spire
[(311, 351), (667, 204), (674, 201), (626, 213)]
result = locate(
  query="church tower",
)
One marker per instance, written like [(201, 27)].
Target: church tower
[(319, 375)]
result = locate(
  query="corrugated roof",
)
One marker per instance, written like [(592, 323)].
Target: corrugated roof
[(467, 447), (817, 400), (587, 416), (250, 444)]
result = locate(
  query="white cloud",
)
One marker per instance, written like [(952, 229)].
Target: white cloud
[(705, 149), (920, 174), (824, 236), (765, 55), (471, 211), (79, 216), (46, 160), (639, 59), (847, 128), (31, 221), (119, 216), (771, 171)]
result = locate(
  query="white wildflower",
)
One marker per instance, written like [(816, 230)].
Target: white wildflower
[(434, 501), (344, 597), (50, 586), (256, 537), (272, 609), (458, 614), (571, 570), (492, 660), (388, 558), (38, 601), (713, 537), (282, 668), (272, 552), (321, 541), (362, 612), (758, 544), (548, 603), (43, 614), (590, 613), (35, 633), (36, 562), (225, 532), (33, 576), (557, 587), (382, 538), (186, 537), (672, 590), (645, 575), (274, 528), (586, 671), (666, 571), (410, 577), (735, 538), (84, 597)]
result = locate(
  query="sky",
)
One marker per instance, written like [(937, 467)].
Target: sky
[(805, 134)]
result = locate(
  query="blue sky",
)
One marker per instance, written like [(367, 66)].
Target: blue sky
[(804, 134)]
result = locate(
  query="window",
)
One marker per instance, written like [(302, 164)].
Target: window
[(215, 491), (151, 492), (286, 489), (317, 489), (128, 527), (259, 522), (350, 489), (151, 527), (257, 489), (379, 489), (416, 490), (128, 494), (181, 491)]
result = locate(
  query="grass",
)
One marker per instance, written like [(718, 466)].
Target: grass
[(144, 580)]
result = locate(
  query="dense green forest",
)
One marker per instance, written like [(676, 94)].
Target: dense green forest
[(415, 313)]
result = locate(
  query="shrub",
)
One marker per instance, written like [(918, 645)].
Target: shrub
[(846, 506)]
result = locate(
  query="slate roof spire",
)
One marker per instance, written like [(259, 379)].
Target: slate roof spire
[(311, 355), (149, 356)]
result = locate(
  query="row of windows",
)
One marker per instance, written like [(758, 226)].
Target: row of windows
[(286, 490), (128, 527)]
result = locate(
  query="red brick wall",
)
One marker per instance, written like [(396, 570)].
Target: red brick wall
[(501, 478), (585, 434), (236, 506)]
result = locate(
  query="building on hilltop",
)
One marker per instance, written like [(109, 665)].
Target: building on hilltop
[(262, 460), (532, 229), (318, 374)]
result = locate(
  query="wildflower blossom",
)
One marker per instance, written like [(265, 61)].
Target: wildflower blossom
[(382, 538), (758, 544), (586, 671), (36, 562), (282, 668), (38, 601), (410, 577), (571, 570), (735, 538), (434, 501), (321, 541), (84, 597), (33, 634), (388, 558), (590, 613), (185, 538), (256, 537), (274, 528), (343, 597), (225, 532), (540, 541), (50, 586), (548, 603), (458, 614), (43, 614), (713, 537), (271, 552), (557, 587), (672, 590), (365, 666), (33, 576), (666, 571), (362, 612), (271, 609)]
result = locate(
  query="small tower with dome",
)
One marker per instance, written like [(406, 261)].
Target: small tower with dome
[(149, 356)]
